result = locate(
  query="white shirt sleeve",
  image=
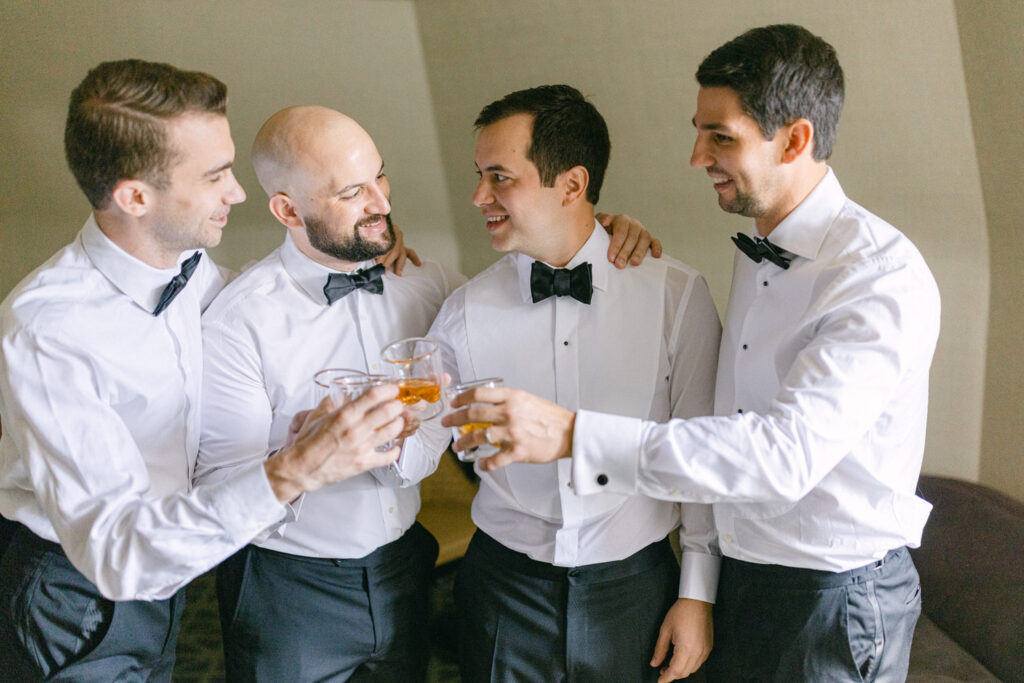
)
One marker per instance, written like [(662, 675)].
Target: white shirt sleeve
[(693, 350), (873, 324), (92, 482)]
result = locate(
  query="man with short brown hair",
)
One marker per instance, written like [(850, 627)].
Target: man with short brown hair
[(100, 393)]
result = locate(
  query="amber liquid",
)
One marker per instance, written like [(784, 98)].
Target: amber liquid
[(467, 428), (412, 390)]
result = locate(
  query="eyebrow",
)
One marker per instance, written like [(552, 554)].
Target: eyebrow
[(355, 185), (219, 169), (493, 167), (707, 126)]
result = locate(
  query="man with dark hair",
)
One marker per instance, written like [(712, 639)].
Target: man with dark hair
[(99, 391), (555, 587), (814, 452)]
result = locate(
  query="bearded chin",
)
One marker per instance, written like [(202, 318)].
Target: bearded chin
[(353, 250)]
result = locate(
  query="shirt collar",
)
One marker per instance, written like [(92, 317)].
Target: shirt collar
[(803, 231), (310, 275), (141, 282), (594, 251)]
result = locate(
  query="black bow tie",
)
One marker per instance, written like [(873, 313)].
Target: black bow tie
[(178, 282), (761, 249), (546, 281), (342, 284)]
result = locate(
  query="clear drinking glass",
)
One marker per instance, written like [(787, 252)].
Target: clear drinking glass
[(325, 383), (473, 454), (415, 365), (344, 385)]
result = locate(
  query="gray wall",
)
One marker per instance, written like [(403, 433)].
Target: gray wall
[(361, 57), (416, 73)]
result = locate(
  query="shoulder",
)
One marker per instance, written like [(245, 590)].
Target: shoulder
[(431, 277), (248, 290), (56, 294)]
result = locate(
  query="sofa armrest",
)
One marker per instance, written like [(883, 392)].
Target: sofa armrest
[(971, 563)]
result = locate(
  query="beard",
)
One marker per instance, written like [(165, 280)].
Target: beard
[(743, 203), (354, 249)]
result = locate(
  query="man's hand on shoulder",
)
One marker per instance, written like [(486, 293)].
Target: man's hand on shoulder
[(399, 254), (630, 240)]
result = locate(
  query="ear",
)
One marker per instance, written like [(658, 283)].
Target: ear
[(133, 197), (799, 139), (573, 184), (284, 210)]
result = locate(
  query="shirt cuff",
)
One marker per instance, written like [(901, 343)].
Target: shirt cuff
[(247, 505), (605, 453), (698, 578)]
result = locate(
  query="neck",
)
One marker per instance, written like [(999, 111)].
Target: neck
[(795, 190), (134, 237), (570, 236)]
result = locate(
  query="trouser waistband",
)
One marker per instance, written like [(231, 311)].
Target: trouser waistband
[(799, 577), (640, 561)]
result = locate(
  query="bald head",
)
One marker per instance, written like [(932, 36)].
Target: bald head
[(299, 147)]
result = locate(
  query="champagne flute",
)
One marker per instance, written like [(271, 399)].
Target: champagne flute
[(415, 365), (477, 452)]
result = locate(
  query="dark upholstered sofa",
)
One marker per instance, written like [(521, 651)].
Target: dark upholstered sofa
[(971, 562)]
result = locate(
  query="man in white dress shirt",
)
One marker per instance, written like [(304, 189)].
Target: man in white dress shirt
[(813, 457), (555, 586), (341, 591), (99, 390)]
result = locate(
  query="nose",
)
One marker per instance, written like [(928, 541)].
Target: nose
[(700, 157), (482, 195), (235, 194), (379, 202)]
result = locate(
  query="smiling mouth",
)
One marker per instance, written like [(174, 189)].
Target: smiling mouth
[(494, 222), (373, 223)]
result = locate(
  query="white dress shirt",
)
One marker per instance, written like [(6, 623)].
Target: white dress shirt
[(823, 396), (100, 402), (264, 338), (646, 346)]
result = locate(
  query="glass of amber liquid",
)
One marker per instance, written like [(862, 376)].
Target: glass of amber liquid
[(473, 454), (415, 366)]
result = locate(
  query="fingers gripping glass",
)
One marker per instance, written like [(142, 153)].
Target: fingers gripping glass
[(344, 385), (473, 454)]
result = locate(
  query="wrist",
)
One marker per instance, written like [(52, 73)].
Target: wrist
[(287, 481)]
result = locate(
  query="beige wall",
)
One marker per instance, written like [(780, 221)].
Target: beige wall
[(905, 148), (990, 36), (362, 57), (415, 74)]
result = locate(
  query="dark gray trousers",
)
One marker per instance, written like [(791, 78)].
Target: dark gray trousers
[(523, 620), (292, 618), (55, 625), (782, 624)]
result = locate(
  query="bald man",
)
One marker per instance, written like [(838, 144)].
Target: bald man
[(340, 590)]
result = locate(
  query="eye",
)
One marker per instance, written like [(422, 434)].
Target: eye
[(722, 139), (216, 178), (498, 178)]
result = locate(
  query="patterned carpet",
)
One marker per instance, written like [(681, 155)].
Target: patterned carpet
[(200, 660)]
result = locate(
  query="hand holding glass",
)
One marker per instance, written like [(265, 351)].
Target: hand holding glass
[(477, 452), (344, 385)]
